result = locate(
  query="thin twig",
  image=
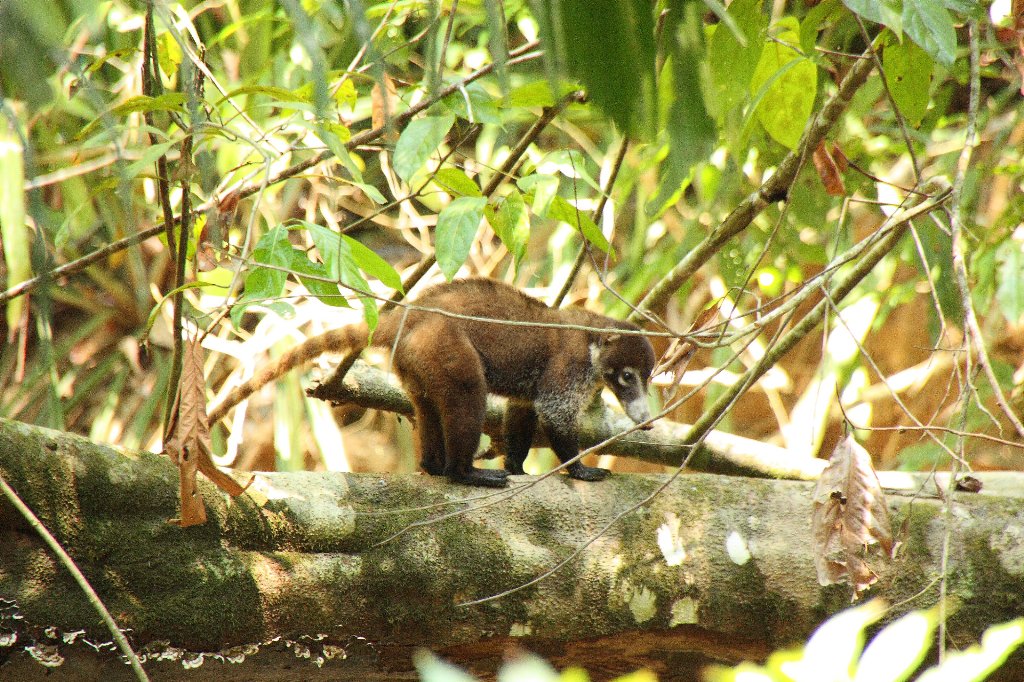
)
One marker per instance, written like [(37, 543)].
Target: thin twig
[(90, 593)]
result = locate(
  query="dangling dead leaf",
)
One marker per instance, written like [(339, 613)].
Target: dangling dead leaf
[(850, 521), (677, 357), (187, 441), (829, 171)]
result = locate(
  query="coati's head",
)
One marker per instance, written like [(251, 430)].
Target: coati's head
[(626, 362)]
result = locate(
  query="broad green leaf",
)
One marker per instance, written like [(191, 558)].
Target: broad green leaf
[(908, 70), (418, 141), (541, 189), (456, 229), (831, 651), (345, 94), (817, 19), (886, 12), (562, 210), (975, 663), (898, 649), (342, 264), (608, 45), (731, 63), (535, 94), (14, 234), (372, 264), (511, 222), (481, 107), (1010, 292), (931, 27), (262, 283), (691, 131), (168, 53), (454, 181), (784, 84), (148, 158)]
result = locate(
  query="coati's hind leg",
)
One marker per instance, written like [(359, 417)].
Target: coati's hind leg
[(518, 428), (429, 436), (445, 378)]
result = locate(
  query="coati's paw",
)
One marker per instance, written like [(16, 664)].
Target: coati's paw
[(489, 478), (585, 473)]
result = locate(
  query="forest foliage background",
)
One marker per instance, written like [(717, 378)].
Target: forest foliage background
[(322, 153)]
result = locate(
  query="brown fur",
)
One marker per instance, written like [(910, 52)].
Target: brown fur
[(448, 365)]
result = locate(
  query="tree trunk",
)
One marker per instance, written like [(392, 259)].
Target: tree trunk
[(358, 570)]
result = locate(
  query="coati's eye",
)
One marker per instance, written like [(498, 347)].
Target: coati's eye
[(627, 375)]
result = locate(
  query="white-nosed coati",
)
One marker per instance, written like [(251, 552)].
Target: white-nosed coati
[(448, 366)]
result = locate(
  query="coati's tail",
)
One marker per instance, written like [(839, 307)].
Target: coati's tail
[(343, 340)]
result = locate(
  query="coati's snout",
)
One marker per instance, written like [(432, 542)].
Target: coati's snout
[(627, 361)]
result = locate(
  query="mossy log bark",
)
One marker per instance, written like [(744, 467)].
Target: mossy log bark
[(307, 558)]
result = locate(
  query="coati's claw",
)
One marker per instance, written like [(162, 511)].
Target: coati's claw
[(584, 473)]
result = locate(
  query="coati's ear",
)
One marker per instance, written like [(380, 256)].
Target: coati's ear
[(610, 339)]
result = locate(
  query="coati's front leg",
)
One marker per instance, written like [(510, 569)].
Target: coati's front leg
[(558, 414)]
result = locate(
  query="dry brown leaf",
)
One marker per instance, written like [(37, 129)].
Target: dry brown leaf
[(187, 441), (677, 357), (383, 106), (829, 171), (850, 521)]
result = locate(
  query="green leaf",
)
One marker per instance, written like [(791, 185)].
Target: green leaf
[(456, 229), (831, 651), (886, 12), (14, 234), (731, 63), (562, 210), (1010, 292), (535, 94), (541, 189), (931, 27), (978, 661), (785, 84), (454, 181), (148, 158), (908, 70), (418, 141), (171, 101), (168, 53), (511, 222), (691, 131), (898, 649), (261, 283), (608, 45), (372, 264)]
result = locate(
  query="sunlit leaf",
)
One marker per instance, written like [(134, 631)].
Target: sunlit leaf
[(456, 182), (511, 222), (731, 63), (978, 661), (418, 141), (897, 650), (784, 86), (14, 234), (885, 12), (931, 27), (1010, 292), (562, 210), (456, 229), (433, 669), (908, 70)]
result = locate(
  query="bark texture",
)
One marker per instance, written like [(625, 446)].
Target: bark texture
[(711, 567)]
